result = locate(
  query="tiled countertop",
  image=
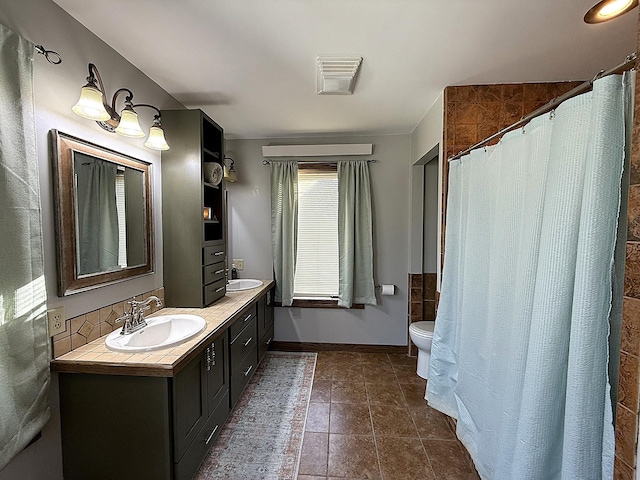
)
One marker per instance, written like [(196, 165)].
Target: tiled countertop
[(95, 357)]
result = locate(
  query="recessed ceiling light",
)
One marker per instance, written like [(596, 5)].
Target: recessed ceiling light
[(608, 10)]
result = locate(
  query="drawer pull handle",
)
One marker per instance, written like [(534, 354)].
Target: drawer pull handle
[(219, 289), (248, 370), (248, 341), (219, 271), (211, 435), (217, 254), (269, 342), (246, 319)]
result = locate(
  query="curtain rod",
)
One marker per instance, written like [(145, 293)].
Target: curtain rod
[(308, 162), (628, 64)]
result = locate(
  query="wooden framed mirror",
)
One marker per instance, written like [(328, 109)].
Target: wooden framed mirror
[(103, 215)]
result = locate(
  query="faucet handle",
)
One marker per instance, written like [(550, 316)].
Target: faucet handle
[(126, 316)]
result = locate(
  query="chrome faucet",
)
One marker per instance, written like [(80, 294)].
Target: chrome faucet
[(134, 319)]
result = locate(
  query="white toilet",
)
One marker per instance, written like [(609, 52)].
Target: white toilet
[(421, 334)]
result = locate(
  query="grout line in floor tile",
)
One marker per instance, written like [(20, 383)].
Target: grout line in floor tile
[(375, 441)]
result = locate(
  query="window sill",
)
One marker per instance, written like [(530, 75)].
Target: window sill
[(317, 303)]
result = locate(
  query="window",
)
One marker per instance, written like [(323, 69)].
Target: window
[(317, 248), (122, 218)]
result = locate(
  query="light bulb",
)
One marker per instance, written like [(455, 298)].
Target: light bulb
[(614, 8), (608, 10)]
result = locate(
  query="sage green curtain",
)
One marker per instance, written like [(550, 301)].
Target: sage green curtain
[(284, 227), (24, 344), (355, 234)]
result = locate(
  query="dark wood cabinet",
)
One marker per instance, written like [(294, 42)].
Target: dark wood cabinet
[(201, 393), (265, 323), (130, 427), (243, 356), (133, 426), (193, 210)]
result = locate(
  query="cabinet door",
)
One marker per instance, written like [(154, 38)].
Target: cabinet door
[(264, 343), (190, 404), (268, 309), (265, 314), (217, 370), (262, 316)]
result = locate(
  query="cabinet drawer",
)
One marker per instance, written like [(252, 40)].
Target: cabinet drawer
[(188, 465), (214, 291), (243, 343), (213, 254), (241, 375), (214, 272), (264, 343), (245, 317)]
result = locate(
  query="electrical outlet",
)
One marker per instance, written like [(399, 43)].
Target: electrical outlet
[(239, 263), (56, 321)]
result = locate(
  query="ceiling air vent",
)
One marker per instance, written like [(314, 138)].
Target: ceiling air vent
[(337, 75)]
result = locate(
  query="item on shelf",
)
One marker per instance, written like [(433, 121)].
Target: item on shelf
[(207, 213), (213, 172)]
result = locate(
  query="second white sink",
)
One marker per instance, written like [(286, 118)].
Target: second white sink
[(240, 284), (161, 332)]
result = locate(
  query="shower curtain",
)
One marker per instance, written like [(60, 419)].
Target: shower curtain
[(98, 235), (24, 343), (520, 347)]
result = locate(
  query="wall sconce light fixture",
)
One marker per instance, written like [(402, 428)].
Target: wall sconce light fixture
[(230, 172), (608, 10), (93, 105)]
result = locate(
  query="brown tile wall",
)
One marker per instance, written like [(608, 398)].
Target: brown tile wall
[(90, 326), (475, 112), (628, 384), (422, 301)]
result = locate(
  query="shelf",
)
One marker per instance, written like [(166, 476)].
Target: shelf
[(212, 221), (215, 155), (211, 185)]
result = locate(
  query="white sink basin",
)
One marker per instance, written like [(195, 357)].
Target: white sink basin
[(161, 332), (240, 284)]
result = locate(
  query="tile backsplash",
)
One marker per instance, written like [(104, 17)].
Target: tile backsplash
[(90, 326)]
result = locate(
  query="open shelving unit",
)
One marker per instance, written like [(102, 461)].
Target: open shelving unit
[(193, 242)]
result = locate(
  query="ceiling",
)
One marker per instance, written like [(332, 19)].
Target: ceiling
[(250, 64)]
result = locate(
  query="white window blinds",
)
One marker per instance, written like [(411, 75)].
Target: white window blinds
[(317, 253), (122, 220)]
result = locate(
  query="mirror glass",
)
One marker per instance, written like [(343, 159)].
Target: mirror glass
[(103, 213)]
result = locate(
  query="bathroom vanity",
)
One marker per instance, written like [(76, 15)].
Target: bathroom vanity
[(156, 414)]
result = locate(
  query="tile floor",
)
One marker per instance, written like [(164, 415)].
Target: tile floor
[(368, 419)]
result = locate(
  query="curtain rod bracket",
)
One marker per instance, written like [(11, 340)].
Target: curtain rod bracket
[(52, 57)]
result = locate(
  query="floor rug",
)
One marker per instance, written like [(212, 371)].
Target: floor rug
[(262, 438)]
